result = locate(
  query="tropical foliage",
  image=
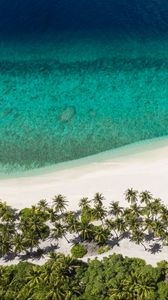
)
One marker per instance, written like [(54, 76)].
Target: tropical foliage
[(65, 278), (78, 251), (23, 233), (143, 219)]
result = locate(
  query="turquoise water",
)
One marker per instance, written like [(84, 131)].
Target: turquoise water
[(77, 94)]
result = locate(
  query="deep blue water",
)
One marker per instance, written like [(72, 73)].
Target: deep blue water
[(119, 15), (80, 77)]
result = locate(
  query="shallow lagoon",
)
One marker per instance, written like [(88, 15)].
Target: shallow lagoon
[(75, 94)]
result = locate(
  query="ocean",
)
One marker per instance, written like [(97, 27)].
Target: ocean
[(80, 77)]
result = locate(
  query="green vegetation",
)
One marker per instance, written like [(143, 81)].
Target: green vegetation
[(64, 278), (103, 249), (22, 234), (144, 219), (78, 251)]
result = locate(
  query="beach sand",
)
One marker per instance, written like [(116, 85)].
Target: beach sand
[(143, 166)]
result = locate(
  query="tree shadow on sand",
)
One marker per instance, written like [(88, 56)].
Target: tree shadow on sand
[(149, 237), (115, 241), (125, 235), (34, 255), (155, 248), (75, 240), (9, 257)]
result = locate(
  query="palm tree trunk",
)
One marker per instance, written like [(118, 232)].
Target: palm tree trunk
[(144, 246), (116, 233), (66, 238)]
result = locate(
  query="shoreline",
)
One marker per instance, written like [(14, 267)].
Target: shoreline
[(116, 153), (143, 165)]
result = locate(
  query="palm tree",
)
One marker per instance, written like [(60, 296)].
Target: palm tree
[(56, 290), (34, 278), (59, 231), (62, 268), (148, 225), (122, 290), (153, 208), (31, 241), (143, 291), (140, 285), (71, 222), (7, 229), (62, 288), (84, 204), (120, 225), (32, 226), (98, 199), (111, 225), (42, 205), (99, 212), (33, 223), (65, 266), (133, 223), (53, 216), (7, 214), (86, 230), (59, 203), (115, 209), (156, 207), (47, 271), (5, 245), (159, 229), (53, 257), (6, 235), (24, 293), (145, 197), (19, 243), (131, 196), (164, 214), (138, 237), (136, 210), (6, 274), (130, 219), (101, 235), (127, 214)]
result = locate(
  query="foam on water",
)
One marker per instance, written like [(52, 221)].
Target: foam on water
[(77, 94)]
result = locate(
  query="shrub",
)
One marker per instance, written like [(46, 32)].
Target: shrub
[(103, 249), (78, 251)]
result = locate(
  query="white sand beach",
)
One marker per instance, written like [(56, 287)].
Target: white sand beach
[(143, 166)]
